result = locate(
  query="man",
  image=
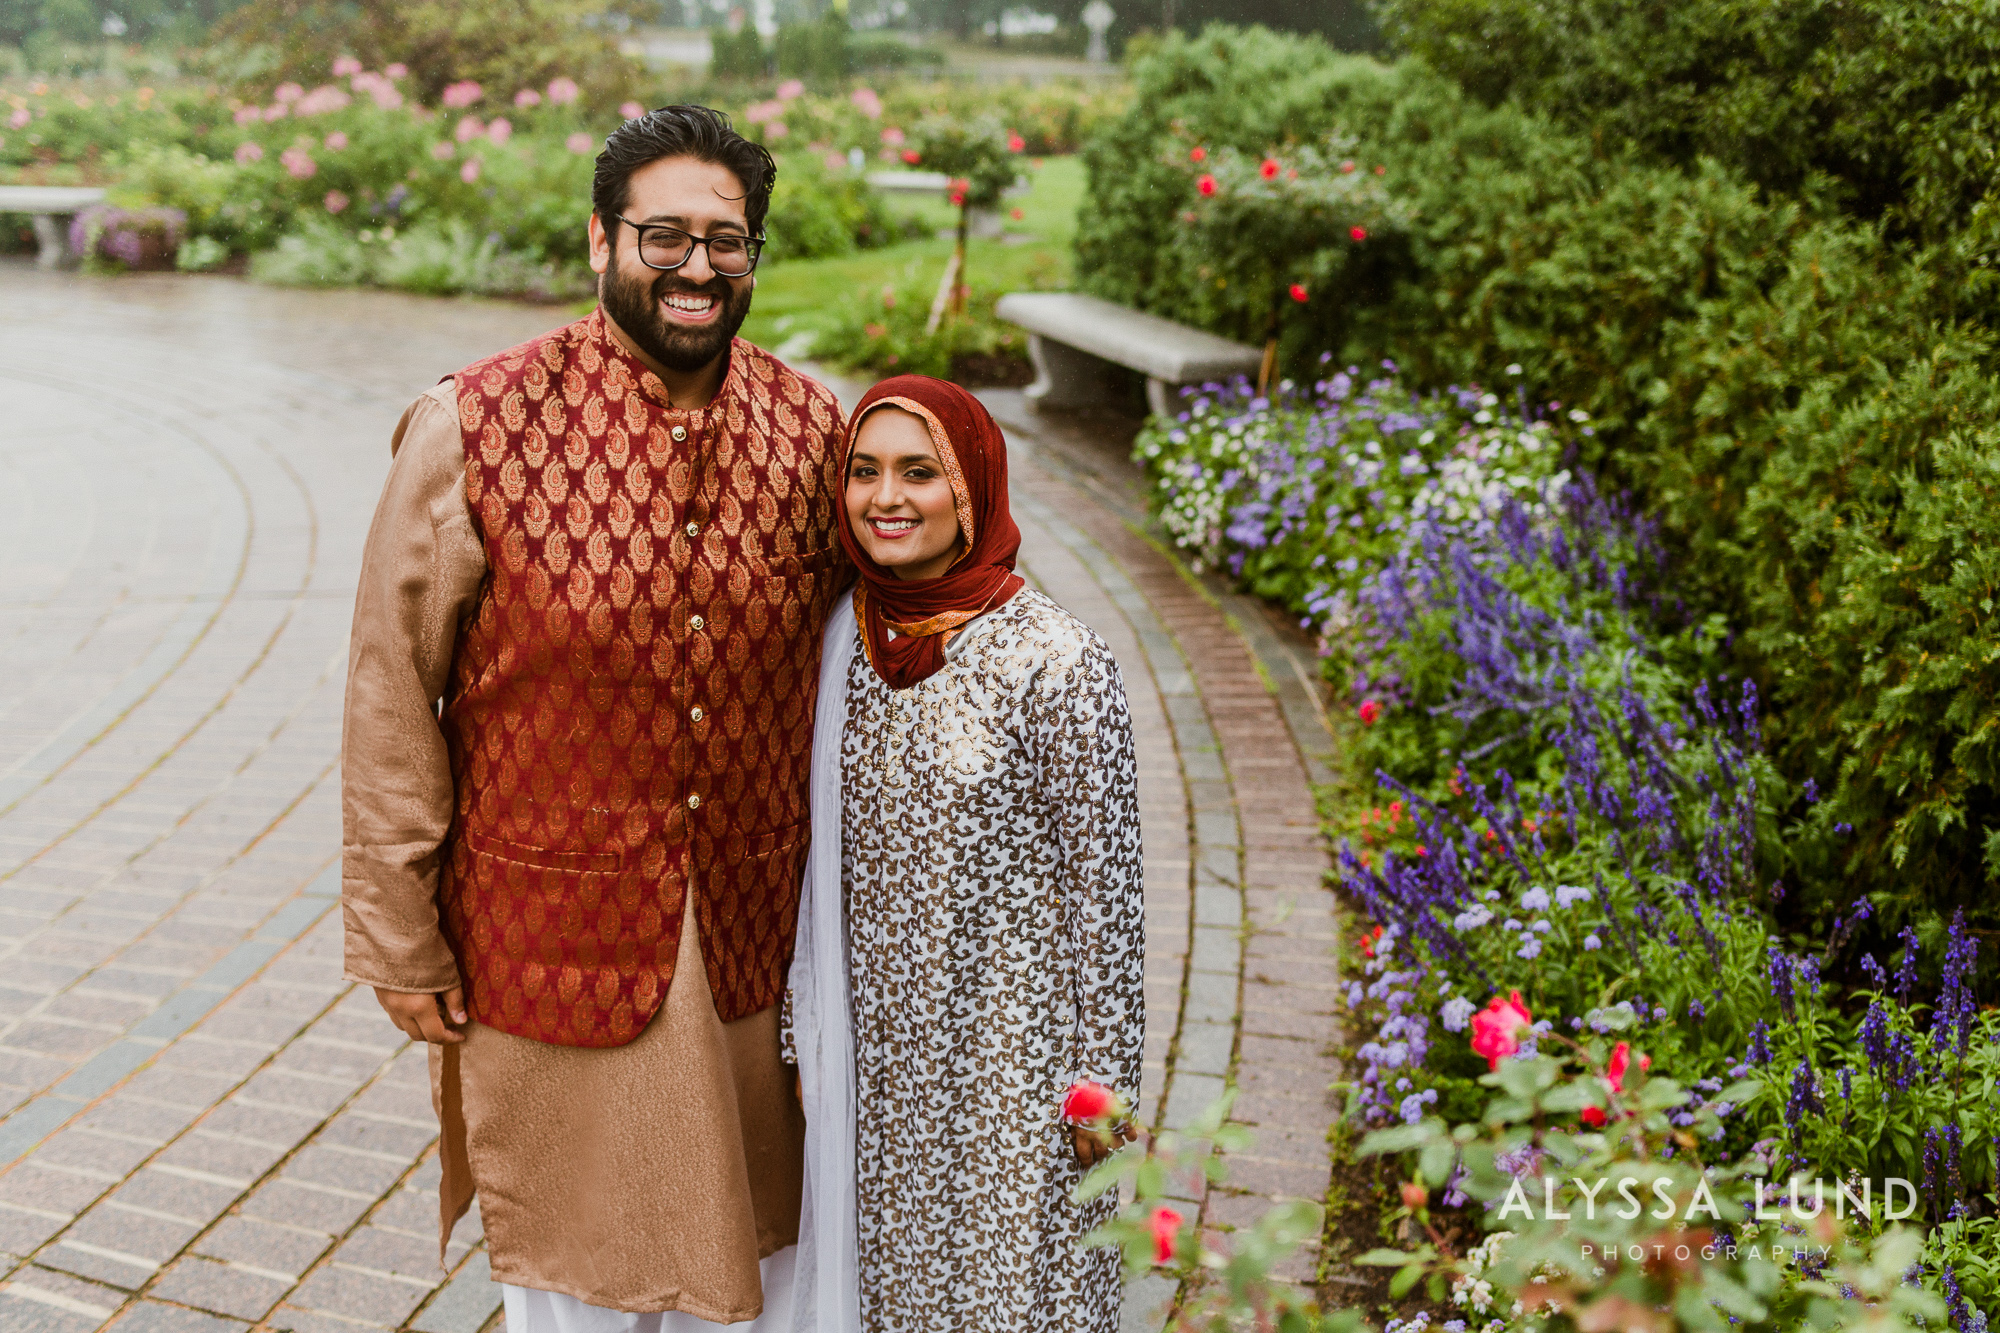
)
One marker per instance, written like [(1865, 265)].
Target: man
[(585, 655)]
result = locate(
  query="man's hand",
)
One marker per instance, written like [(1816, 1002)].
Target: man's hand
[(1093, 1146), (426, 1016)]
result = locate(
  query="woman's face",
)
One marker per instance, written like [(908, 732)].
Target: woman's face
[(899, 503)]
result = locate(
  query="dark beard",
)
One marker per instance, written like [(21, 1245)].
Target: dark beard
[(633, 303)]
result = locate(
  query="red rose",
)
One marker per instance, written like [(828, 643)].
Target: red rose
[(1493, 1028), (1269, 169), (912, 156), (1422, 850), (1347, 168), (1166, 1224), (1620, 1063), (1206, 185), (1358, 233), (1086, 1101), (1367, 941), (1380, 170), (1370, 710), (1415, 1195), (1299, 292), (1593, 1117), (1198, 155), (1015, 143)]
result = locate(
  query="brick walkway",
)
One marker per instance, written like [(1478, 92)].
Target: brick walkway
[(202, 1129)]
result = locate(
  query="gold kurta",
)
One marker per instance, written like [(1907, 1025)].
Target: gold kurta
[(649, 1176)]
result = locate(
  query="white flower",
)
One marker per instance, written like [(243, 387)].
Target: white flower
[(1514, 369)]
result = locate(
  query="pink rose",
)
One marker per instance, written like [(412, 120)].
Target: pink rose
[(245, 115), (288, 92), (777, 129), (470, 171), (789, 89), (442, 150), (869, 101), (1166, 1227), (335, 201), (1086, 1101), (346, 65), (562, 90), (396, 70), (462, 94), (501, 130), (631, 110), (1493, 1028), (299, 163), (246, 153), (892, 136), (526, 98), (469, 128), (337, 140), (579, 143)]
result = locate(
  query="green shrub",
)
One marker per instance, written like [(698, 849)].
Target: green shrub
[(1891, 101), (1785, 387), (436, 258), (818, 212), (820, 50), (737, 55), (885, 333)]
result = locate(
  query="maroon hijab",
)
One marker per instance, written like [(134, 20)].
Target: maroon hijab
[(925, 613)]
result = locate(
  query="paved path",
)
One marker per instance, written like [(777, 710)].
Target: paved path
[(202, 1129)]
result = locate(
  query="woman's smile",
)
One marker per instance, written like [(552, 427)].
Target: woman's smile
[(899, 504)]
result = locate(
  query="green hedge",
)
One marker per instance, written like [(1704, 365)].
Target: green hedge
[(1788, 389)]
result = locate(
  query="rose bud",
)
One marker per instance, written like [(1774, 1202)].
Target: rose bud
[(1166, 1224), (1415, 1195)]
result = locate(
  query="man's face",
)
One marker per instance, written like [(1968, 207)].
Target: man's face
[(683, 318)]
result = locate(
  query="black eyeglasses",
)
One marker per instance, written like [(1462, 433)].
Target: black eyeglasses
[(667, 248)]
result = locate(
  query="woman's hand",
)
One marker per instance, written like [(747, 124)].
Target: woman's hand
[(1093, 1146)]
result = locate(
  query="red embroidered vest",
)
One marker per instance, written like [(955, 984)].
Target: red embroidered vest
[(630, 712)]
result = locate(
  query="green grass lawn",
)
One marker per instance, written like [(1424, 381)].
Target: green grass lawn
[(793, 297)]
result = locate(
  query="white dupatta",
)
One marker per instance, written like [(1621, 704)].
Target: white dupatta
[(827, 1291)]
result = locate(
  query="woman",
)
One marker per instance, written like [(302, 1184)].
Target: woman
[(975, 813)]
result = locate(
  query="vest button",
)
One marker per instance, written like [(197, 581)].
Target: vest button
[(694, 802), (696, 622), (694, 529), (680, 433), (695, 712)]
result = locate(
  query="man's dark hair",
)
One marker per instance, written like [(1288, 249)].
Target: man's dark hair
[(699, 132)]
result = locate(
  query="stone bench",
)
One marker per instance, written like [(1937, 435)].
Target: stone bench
[(46, 204), (1071, 336)]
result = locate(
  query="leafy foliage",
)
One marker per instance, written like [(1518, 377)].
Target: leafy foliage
[(1629, 1228), (1800, 400), (1890, 101)]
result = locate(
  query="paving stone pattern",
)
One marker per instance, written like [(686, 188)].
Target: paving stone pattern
[(202, 1128)]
